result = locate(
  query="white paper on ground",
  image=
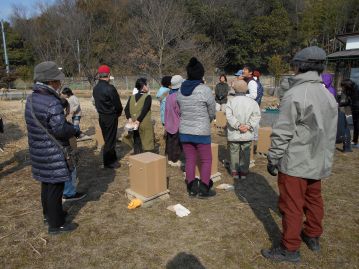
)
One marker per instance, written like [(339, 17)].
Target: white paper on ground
[(179, 209), (225, 186)]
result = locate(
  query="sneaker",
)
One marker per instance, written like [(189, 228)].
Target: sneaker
[(311, 242), (279, 254), (235, 174), (76, 197), (192, 188), (206, 191), (67, 227)]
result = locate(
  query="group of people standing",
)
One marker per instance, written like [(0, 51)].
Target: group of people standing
[(301, 152)]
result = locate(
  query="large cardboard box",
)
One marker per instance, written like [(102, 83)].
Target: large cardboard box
[(98, 136), (221, 120), (214, 168), (147, 174), (264, 140)]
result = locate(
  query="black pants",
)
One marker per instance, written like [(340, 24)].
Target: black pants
[(51, 199), (173, 147), (108, 124), (355, 115), (137, 144)]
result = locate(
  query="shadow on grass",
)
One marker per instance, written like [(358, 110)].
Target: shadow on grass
[(184, 260), (22, 159), (93, 178), (256, 191)]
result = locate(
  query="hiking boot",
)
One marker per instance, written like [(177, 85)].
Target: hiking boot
[(311, 242), (113, 165), (76, 197), (192, 187), (280, 254), (67, 227), (205, 191)]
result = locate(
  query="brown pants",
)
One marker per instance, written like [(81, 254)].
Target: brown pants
[(297, 196)]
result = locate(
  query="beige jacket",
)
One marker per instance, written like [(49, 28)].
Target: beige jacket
[(303, 138), (242, 110)]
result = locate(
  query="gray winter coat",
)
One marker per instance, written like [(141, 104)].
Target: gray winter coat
[(197, 111), (303, 138)]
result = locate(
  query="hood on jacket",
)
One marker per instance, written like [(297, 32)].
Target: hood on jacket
[(188, 86), (327, 79), (310, 76)]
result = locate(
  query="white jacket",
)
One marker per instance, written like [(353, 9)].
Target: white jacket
[(242, 110)]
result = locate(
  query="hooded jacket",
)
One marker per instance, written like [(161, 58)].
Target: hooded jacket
[(47, 158), (303, 138), (328, 80), (197, 107)]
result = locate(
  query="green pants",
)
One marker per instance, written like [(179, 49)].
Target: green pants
[(240, 155)]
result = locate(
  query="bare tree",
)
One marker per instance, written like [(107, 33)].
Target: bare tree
[(160, 32)]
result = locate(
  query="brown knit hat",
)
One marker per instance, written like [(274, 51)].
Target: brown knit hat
[(240, 86)]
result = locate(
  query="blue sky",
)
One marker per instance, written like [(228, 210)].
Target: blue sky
[(29, 5)]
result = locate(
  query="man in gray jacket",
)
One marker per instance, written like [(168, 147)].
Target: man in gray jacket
[(302, 149)]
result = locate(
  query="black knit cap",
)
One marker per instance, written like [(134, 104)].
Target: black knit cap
[(195, 70), (166, 81)]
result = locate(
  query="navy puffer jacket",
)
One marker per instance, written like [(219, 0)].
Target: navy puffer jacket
[(47, 158)]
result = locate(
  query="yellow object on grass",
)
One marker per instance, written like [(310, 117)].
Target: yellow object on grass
[(134, 204)]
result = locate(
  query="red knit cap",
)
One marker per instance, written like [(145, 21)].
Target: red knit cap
[(103, 69), (256, 73)]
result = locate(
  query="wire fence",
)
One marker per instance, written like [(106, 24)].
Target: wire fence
[(124, 84)]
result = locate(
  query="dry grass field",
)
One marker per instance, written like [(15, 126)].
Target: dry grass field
[(226, 231)]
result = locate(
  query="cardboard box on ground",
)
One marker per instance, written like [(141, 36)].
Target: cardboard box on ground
[(264, 140), (214, 168), (147, 174)]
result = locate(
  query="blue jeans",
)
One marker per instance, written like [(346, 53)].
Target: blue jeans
[(70, 185), (76, 122)]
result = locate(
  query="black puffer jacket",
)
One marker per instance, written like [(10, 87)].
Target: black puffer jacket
[(107, 100), (47, 159)]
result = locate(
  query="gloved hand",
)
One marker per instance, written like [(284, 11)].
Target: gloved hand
[(272, 168)]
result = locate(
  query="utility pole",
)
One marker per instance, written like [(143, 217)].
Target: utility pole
[(78, 55), (5, 52)]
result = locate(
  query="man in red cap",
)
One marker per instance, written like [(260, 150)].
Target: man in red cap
[(109, 108)]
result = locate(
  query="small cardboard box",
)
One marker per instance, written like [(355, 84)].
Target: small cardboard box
[(221, 120), (147, 174), (264, 140), (98, 136), (214, 168)]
